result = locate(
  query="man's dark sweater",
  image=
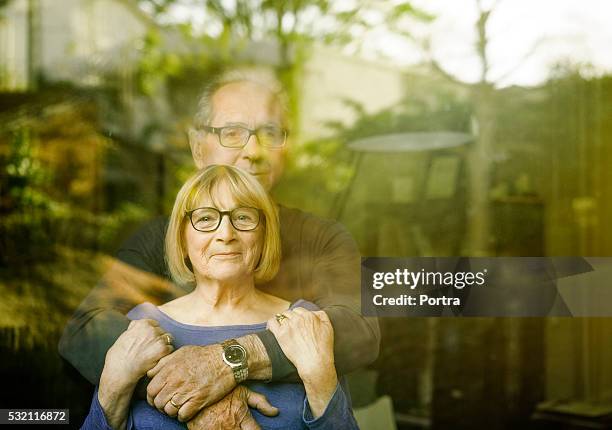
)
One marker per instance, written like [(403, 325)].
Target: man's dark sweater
[(320, 263)]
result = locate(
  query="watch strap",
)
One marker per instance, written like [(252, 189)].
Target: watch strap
[(241, 374)]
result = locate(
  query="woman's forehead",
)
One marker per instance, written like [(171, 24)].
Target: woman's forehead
[(219, 196)]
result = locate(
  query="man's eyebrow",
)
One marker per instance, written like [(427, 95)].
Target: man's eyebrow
[(233, 123), (245, 125), (270, 124)]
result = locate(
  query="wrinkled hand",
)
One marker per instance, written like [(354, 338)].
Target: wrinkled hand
[(193, 377), (137, 350), (232, 411), (306, 338)]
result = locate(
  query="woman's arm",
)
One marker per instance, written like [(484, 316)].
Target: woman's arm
[(307, 339), (114, 396), (319, 390), (136, 351), (337, 414)]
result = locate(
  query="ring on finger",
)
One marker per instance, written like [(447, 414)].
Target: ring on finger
[(168, 338), (174, 404), (280, 318)]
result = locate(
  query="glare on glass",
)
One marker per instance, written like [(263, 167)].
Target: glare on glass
[(209, 219), (236, 136)]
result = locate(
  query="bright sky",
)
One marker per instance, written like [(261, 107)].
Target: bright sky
[(576, 30)]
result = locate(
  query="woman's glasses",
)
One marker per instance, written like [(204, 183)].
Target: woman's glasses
[(209, 219)]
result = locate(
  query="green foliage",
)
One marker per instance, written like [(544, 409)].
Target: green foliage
[(293, 24), (107, 225), (4, 3), (319, 171), (24, 176), (156, 64), (403, 9), (155, 7)]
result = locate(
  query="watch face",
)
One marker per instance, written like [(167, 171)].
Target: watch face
[(235, 354)]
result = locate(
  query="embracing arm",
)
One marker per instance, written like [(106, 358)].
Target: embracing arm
[(334, 286), (87, 337), (337, 291), (196, 377), (135, 277)]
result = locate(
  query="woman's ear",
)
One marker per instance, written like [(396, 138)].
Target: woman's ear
[(196, 143)]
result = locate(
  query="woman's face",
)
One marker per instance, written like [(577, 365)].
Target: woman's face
[(224, 254)]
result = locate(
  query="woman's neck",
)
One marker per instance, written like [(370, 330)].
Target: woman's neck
[(216, 304), (215, 295)]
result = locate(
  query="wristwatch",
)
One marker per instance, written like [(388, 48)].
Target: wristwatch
[(236, 357)]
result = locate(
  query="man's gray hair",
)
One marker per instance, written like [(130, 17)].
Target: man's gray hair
[(260, 75)]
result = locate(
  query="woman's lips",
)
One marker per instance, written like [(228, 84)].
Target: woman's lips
[(226, 255)]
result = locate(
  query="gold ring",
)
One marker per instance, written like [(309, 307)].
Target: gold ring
[(174, 404), (280, 318), (168, 339)]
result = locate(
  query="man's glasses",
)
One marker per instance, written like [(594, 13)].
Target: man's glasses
[(235, 136), (209, 219)]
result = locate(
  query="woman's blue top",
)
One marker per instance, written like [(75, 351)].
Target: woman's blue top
[(289, 398)]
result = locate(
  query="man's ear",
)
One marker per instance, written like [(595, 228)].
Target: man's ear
[(197, 147)]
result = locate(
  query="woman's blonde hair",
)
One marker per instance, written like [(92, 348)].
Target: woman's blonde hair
[(246, 191)]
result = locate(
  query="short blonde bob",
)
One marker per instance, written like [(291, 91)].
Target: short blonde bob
[(246, 191)]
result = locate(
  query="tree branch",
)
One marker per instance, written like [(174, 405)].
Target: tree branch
[(523, 59), (446, 75), (435, 65)]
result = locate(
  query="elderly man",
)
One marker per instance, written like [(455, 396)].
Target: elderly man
[(242, 121)]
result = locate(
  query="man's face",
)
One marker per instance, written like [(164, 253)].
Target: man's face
[(248, 105)]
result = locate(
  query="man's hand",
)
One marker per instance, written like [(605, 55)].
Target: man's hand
[(188, 380), (232, 412)]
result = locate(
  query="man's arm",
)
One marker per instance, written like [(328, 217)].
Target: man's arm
[(337, 291), (87, 337), (195, 377), (335, 287), (135, 277), (357, 343)]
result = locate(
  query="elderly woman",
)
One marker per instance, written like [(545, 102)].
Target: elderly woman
[(223, 238)]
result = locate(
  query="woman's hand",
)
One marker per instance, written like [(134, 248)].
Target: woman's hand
[(307, 339), (138, 350)]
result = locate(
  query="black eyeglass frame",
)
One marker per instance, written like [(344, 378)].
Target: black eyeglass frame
[(189, 214), (252, 132)]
